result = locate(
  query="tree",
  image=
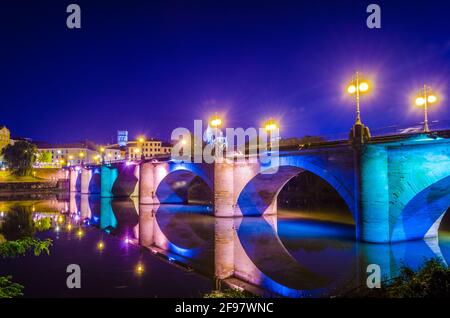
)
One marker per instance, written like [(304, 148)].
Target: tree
[(20, 157), (45, 157)]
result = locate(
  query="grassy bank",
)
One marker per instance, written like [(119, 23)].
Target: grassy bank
[(6, 176), (39, 175)]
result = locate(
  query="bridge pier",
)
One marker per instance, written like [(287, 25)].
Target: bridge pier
[(73, 178), (86, 176), (223, 189), (146, 183), (373, 223), (108, 177)]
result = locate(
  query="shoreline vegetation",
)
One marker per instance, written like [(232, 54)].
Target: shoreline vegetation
[(17, 238), (42, 181), (430, 280)]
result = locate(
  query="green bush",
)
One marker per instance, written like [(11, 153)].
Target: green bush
[(20, 247), (8, 289), (43, 224), (431, 280)]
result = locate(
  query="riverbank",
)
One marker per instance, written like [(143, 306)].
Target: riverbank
[(11, 189), (41, 182)]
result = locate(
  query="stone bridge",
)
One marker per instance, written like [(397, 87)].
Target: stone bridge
[(397, 188)]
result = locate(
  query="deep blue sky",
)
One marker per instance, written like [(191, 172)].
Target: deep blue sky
[(152, 66)]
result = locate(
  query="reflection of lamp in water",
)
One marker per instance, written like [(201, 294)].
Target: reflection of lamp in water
[(80, 233), (100, 246), (139, 269), (69, 227)]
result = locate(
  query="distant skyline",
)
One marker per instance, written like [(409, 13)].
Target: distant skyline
[(150, 67)]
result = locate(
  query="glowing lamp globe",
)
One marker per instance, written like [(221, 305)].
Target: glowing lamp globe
[(363, 87), (420, 101), (216, 122), (351, 89), (432, 99)]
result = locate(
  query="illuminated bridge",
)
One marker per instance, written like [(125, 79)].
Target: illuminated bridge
[(397, 187)]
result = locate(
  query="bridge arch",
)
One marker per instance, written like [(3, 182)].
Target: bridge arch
[(177, 181), (259, 195), (422, 215)]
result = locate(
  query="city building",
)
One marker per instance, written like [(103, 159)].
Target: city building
[(147, 148), (58, 155), (122, 138), (166, 148), (5, 137), (5, 140), (112, 152)]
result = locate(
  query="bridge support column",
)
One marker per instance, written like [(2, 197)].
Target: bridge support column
[(146, 183), (73, 180), (108, 177), (373, 224), (86, 175), (223, 189)]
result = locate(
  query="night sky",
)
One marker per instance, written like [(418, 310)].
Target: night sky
[(151, 66)]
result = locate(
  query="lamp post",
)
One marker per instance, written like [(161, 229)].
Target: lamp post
[(136, 152), (424, 98), (358, 86), (102, 152), (215, 122), (270, 126), (141, 141), (81, 156)]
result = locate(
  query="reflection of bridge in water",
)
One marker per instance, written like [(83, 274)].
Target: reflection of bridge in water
[(261, 252)]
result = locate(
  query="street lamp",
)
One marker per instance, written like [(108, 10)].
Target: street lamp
[(270, 126), (358, 85), (141, 141), (136, 152), (424, 98), (216, 122), (81, 155)]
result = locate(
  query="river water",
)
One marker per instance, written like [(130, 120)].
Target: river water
[(127, 250)]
